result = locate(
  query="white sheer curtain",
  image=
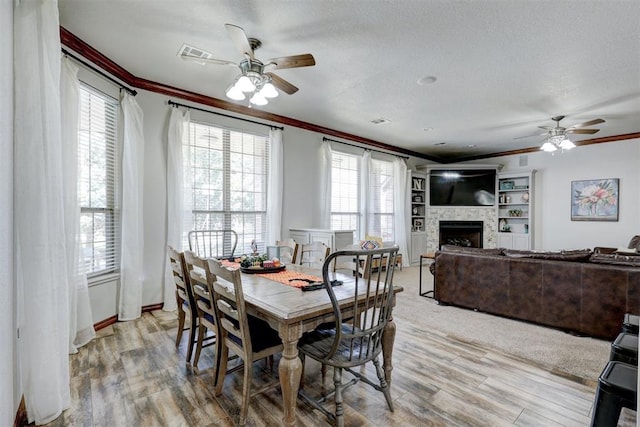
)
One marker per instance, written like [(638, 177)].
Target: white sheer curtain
[(41, 260), (179, 216), (401, 197), (80, 318), (9, 355), (131, 264), (275, 187), (326, 161), (365, 179)]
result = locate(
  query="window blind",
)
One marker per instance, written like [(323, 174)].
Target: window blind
[(98, 182), (345, 192), (229, 171), (380, 221)]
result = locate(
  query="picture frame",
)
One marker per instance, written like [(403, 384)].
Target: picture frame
[(417, 199), (595, 199)]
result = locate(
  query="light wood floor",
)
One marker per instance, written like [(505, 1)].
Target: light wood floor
[(133, 375)]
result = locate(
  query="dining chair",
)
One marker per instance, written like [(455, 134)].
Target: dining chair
[(313, 254), (201, 278), (213, 243), (288, 250), (247, 336), (356, 335), (185, 301)]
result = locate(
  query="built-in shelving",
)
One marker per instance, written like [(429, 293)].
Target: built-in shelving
[(515, 210), (418, 216)]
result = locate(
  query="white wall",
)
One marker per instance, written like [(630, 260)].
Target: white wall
[(553, 227), (10, 389), (301, 187)]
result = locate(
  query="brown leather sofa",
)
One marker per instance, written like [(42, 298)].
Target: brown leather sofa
[(577, 291)]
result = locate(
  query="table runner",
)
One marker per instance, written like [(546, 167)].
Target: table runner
[(286, 277)]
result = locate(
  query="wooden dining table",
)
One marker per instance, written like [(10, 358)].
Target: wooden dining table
[(293, 312)]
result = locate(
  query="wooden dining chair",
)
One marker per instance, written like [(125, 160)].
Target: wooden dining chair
[(185, 301), (201, 278), (213, 243), (288, 250), (313, 254), (247, 336), (356, 335)]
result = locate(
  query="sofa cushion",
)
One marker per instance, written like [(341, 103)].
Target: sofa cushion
[(616, 259), (472, 251), (578, 255)]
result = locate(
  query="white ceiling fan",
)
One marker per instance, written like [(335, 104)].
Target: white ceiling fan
[(558, 136), (255, 77)]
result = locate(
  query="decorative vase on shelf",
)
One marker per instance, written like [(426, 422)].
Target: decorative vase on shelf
[(525, 197), (503, 225)]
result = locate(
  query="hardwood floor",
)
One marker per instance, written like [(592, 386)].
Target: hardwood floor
[(133, 375)]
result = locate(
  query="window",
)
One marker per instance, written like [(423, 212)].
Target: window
[(97, 174), (229, 171), (380, 222), (348, 196), (345, 192)]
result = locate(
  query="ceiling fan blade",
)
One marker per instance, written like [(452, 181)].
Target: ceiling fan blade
[(282, 84), (529, 136), (583, 131), (204, 61), (293, 61), (546, 127), (585, 124), (240, 39)]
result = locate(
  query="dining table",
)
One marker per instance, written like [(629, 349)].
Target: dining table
[(292, 312)]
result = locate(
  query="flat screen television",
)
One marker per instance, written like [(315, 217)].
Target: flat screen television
[(462, 187)]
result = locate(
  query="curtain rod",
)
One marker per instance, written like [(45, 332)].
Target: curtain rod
[(324, 138), (93, 68), (176, 104)]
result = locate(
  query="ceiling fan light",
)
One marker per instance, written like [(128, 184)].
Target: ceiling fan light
[(566, 144), (268, 90), (258, 99), (548, 147), (245, 84), (234, 93)]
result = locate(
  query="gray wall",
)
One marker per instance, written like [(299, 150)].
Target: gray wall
[(553, 226)]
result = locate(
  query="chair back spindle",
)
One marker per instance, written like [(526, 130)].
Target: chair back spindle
[(213, 243), (185, 300), (202, 280), (313, 254), (356, 336)]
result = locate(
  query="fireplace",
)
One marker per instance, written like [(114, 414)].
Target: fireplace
[(461, 233)]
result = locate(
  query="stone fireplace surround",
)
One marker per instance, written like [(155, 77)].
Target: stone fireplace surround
[(488, 216)]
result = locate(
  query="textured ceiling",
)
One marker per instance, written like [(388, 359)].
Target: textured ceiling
[(503, 68)]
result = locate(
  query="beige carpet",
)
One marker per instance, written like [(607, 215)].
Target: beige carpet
[(559, 352)]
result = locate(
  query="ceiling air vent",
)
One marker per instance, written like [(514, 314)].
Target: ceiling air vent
[(380, 121), (194, 52)]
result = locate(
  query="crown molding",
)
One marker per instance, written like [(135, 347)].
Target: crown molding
[(98, 59)]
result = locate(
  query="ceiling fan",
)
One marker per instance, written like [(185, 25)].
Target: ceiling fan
[(557, 137), (252, 78)]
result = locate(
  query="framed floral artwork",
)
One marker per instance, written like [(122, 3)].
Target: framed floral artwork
[(595, 200)]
